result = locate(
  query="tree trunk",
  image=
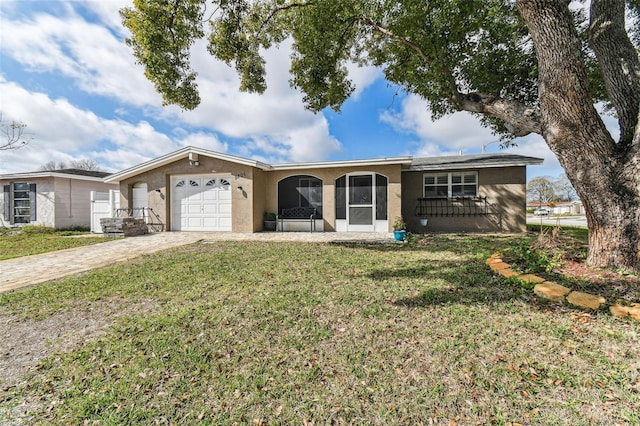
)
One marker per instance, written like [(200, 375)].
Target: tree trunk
[(604, 175)]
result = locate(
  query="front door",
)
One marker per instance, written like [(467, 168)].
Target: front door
[(361, 203)]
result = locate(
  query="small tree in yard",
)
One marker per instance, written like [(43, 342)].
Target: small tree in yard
[(523, 66)]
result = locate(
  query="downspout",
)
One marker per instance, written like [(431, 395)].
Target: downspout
[(70, 199)]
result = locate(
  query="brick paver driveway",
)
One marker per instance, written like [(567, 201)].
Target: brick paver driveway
[(30, 270)]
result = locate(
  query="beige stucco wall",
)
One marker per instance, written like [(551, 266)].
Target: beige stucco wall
[(242, 204), (504, 187), (259, 189), (259, 198), (328, 177)]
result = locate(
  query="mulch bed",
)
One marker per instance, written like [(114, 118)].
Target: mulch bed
[(607, 283)]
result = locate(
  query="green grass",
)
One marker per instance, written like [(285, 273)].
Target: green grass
[(295, 333), (35, 240), (579, 234)]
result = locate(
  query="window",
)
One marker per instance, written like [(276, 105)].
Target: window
[(453, 184), (20, 202)]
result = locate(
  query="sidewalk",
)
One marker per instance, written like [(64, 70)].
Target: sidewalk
[(29, 270)]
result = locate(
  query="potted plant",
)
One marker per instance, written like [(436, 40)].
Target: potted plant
[(269, 221), (399, 229)]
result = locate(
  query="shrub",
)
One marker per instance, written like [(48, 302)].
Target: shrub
[(531, 260)]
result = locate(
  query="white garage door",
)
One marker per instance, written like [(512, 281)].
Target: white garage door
[(201, 203)]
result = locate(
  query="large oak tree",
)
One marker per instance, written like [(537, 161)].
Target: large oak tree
[(524, 66)]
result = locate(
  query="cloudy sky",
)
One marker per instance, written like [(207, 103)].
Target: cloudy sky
[(66, 72)]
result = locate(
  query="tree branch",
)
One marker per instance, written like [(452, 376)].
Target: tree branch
[(14, 135), (281, 9), (396, 37), (518, 118), (619, 63)]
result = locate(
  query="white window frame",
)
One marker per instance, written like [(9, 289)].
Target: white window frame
[(449, 184)]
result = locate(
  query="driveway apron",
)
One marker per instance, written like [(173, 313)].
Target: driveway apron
[(29, 270)]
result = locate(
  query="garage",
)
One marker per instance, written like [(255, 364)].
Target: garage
[(201, 203)]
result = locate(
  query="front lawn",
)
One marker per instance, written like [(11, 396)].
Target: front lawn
[(299, 333), (36, 240)]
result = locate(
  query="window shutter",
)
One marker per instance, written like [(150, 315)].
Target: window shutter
[(32, 202), (7, 202)]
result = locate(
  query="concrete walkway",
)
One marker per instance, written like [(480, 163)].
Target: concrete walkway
[(29, 270)]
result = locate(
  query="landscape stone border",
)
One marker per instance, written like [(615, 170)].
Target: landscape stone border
[(558, 293)]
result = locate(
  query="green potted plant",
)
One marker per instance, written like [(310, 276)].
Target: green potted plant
[(399, 229), (269, 221)]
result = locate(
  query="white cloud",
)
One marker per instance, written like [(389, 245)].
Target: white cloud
[(205, 141), (462, 132), (275, 123), (62, 131), (108, 12), (363, 77), (311, 143), (451, 133), (305, 144), (90, 54), (87, 48)]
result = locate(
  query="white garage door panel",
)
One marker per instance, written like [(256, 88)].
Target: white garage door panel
[(210, 209), (210, 196), (201, 203), (194, 222), (210, 221)]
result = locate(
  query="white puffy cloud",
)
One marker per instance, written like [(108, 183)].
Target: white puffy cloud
[(97, 61), (62, 131), (462, 132), (275, 124), (204, 140), (305, 144), (363, 77), (82, 42), (451, 133)]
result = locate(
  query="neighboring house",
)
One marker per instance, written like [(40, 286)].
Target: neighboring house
[(58, 199), (560, 207), (194, 189)]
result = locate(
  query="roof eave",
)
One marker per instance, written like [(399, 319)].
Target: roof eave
[(177, 155), (461, 166), (347, 163), (45, 174)]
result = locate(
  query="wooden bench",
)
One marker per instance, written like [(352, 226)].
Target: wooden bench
[(298, 214)]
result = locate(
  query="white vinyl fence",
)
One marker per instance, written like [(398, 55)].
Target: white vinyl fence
[(103, 204)]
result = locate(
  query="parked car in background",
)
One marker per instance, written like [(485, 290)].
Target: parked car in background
[(541, 212)]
